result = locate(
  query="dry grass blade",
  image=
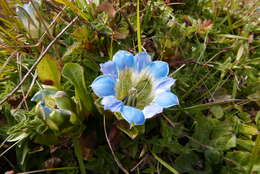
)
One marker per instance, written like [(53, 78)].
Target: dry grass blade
[(49, 170), (37, 62), (113, 153)]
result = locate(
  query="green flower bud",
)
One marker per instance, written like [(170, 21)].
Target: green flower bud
[(63, 101), (56, 108), (74, 119), (30, 19), (57, 117)]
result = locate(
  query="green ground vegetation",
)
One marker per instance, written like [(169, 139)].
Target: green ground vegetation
[(212, 47)]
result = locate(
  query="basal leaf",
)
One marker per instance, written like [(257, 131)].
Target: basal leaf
[(49, 71), (75, 74)]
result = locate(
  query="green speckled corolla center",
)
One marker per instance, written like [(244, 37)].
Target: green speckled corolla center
[(134, 89)]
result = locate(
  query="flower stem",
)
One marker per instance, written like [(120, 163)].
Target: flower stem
[(138, 27), (111, 49), (78, 154)]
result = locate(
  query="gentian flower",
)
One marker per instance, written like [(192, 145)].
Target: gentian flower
[(55, 107), (135, 86), (28, 15)]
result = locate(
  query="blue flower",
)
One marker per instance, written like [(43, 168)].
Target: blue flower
[(29, 18), (55, 108), (135, 86)]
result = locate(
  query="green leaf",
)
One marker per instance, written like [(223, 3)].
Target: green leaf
[(191, 163), (245, 144), (217, 111), (74, 8), (49, 71), (73, 49), (231, 142), (247, 129), (255, 154), (53, 126), (213, 156), (47, 139), (241, 157), (21, 154), (75, 74)]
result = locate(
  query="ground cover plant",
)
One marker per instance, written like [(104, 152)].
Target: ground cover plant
[(146, 86)]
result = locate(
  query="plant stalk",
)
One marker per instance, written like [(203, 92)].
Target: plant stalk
[(138, 27), (78, 154)]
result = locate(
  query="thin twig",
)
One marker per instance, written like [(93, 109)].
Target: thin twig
[(28, 92), (37, 62), (33, 75), (177, 70), (7, 61), (198, 142), (10, 147), (49, 170), (110, 147), (139, 163), (158, 167), (169, 121), (19, 65), (9, 162), (175, 3)]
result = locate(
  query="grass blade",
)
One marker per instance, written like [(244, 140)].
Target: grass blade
[(165, 164)]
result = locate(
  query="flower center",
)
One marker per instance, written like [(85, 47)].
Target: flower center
[(134, 89)]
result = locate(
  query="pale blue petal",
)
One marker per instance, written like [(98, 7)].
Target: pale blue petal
[(40, 95), (159, 69), (22, 15), (29, 9), (112, 104), (45, 110), (123, 59), (109, 68), (104, 86), (133, 115), (166, 99), (141, 61), (164, 84), (27, 15), (151, 110)]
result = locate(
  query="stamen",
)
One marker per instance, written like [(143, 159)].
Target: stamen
[(130, 100), (134, 90)]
